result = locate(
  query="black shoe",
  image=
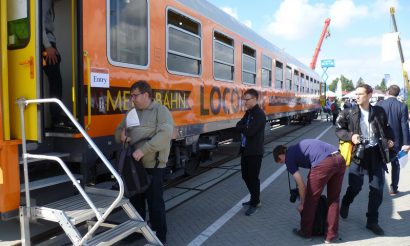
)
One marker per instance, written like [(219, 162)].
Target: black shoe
[(251, 210), (344, 211), (248, 203), (393, 192), (299, 233), (376, 229)]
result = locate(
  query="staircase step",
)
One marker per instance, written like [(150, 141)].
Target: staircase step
[(42, 183), (76, 208), (56, 154), (117, 233)]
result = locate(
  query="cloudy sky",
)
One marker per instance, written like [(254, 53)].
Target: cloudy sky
[(356, 32)]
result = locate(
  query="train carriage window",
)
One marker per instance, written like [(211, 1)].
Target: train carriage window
[(279, 75), (18, 26), (266, 71), (307, 84), (288, 78), (302, 83), (248, 65), (183, 44), (296, 81), (224, 61), (311, 85), (128, 42)]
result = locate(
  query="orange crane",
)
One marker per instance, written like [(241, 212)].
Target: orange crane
[(324, 35)]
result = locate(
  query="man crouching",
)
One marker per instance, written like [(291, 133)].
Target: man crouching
[(327, 167)]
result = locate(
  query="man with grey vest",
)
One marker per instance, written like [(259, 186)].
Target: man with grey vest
[(148, 126)]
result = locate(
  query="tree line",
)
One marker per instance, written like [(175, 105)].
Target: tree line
[(347, 84)]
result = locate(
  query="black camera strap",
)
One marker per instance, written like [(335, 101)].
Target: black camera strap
[(289, 183)]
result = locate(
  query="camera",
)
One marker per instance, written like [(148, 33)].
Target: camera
[(294, 194), (361, 147)]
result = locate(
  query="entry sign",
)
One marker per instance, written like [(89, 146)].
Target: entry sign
[(327, 63), (100, 78)]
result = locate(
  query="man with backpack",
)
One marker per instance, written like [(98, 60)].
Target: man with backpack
[(327, 168)]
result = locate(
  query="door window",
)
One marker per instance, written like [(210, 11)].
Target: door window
[(18, 28)]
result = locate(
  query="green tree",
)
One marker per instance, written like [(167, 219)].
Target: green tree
[(382, 86), (332, 86), (347, 84), (360, 82)]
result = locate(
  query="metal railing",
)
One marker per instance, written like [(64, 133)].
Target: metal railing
[(100, 216)]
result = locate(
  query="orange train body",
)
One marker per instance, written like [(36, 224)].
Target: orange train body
[(193, 100), (189, 45)]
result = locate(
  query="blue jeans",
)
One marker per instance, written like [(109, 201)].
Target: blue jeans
[(376, 184)]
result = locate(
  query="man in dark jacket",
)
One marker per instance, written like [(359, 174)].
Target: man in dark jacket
[(367, 128), (397, 114), (252, 127)]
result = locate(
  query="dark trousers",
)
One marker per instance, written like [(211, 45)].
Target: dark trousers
[(395, 174), (55, 81), (328, 173), (156, 205), (334, 118), (250, 168), (376, 183)]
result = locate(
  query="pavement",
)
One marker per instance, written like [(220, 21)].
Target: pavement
[(216, 217)]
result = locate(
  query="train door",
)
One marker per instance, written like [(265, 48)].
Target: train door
[(23, 66), (64, 18)]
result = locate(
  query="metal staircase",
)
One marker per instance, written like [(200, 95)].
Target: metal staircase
[(91, 205)]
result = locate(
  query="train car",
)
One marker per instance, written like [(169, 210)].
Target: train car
[(198, 59)]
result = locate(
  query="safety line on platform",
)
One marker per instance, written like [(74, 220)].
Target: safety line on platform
[(208, 232)]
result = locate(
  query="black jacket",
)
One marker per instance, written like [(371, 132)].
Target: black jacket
[(348, 123), (254, 131), (397, 115)]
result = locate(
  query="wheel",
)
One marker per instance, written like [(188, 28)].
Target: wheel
[(191, 166)]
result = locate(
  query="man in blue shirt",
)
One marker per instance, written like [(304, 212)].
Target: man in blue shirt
[(327, 167)]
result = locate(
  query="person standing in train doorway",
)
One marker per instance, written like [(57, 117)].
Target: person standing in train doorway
[(252, 127), (148, 127), (51, 64), (397, 114)]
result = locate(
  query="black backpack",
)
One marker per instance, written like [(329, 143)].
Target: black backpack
[(135, 177), (320, 223)]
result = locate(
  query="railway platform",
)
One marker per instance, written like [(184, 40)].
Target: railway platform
[(207, 209), (216, 217)]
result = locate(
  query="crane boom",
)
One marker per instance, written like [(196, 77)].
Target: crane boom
[(319, 44), (405, 76)]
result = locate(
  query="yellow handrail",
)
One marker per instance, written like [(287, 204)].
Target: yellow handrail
[(73, 89), (88, 82)]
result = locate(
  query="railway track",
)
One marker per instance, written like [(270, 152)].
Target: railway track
[(277, 131)]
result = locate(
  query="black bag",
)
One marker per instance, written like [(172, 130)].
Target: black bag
[(135, 177), (320, 223)]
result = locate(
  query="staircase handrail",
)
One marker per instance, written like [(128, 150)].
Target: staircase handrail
[(101, 218)]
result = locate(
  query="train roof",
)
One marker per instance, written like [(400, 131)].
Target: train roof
[(214, 13)]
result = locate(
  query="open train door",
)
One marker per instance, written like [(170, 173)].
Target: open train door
[(23, 66)]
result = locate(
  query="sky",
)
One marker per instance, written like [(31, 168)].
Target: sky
[(356, 33)]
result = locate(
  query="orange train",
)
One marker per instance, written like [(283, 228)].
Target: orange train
[(198, 59)]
